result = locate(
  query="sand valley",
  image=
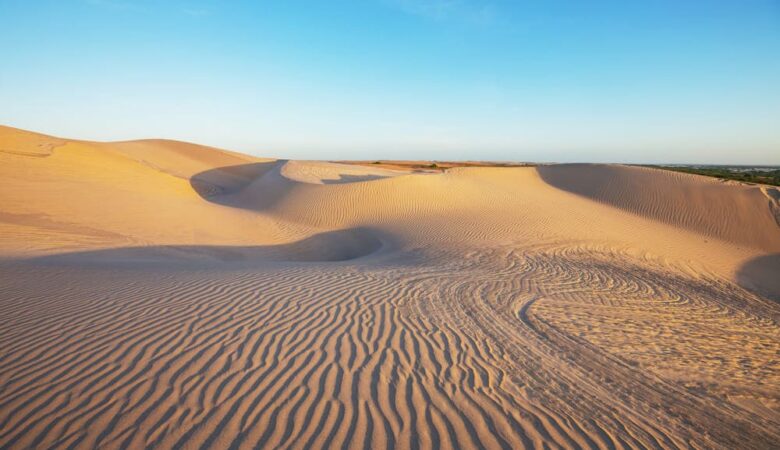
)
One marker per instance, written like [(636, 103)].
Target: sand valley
[(160, 294)]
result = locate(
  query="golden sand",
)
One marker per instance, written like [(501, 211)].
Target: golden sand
[(165, 294)]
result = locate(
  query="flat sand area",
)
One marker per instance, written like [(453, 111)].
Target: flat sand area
[(160, 294)]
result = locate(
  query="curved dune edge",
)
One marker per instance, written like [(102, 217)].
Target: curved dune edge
[(169, 295), (331, 246), (742, 215), (734, 213), (320, 172), (760, 274), (25, 143)]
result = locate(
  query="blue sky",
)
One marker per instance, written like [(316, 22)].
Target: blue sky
[(619, 81)]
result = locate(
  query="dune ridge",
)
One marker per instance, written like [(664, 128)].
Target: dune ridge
[(168, 295), (730, 211)]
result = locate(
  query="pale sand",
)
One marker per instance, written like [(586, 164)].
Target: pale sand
[(164, 294)]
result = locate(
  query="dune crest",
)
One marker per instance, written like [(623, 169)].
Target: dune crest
[(317, 172), (164, 294), (729, 211)]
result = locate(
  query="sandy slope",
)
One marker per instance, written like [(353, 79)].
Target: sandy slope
[(737, 213), (158, 293)]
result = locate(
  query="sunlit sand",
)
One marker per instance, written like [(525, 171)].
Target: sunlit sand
[(160, 293)]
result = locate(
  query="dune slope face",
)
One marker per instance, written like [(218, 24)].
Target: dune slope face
[(163, 294), (736, 213)]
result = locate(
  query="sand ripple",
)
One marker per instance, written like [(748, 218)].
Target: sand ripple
[(500, 349), (157, 294)]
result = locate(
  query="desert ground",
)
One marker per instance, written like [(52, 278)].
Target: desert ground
[(161, 294)]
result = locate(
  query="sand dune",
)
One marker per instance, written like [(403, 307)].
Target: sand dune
[(164, 294), (734, 212)]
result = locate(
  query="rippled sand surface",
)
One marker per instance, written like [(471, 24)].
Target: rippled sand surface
[(169, 295)]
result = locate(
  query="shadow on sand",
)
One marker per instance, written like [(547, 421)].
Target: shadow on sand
[(332, 246), (212, 183), (246, 186), (762, 276), (346, 179)]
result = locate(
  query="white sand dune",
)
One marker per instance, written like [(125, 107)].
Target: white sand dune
[(164, 294)]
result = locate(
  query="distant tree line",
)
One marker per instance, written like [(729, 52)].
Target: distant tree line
[(746, 175)]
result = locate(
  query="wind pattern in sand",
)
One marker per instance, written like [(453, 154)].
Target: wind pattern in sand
[(322, 306)]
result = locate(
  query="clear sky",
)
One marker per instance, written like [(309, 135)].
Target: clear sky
[(620, 81)]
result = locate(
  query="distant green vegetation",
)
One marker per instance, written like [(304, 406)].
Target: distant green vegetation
[(744, 174)]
